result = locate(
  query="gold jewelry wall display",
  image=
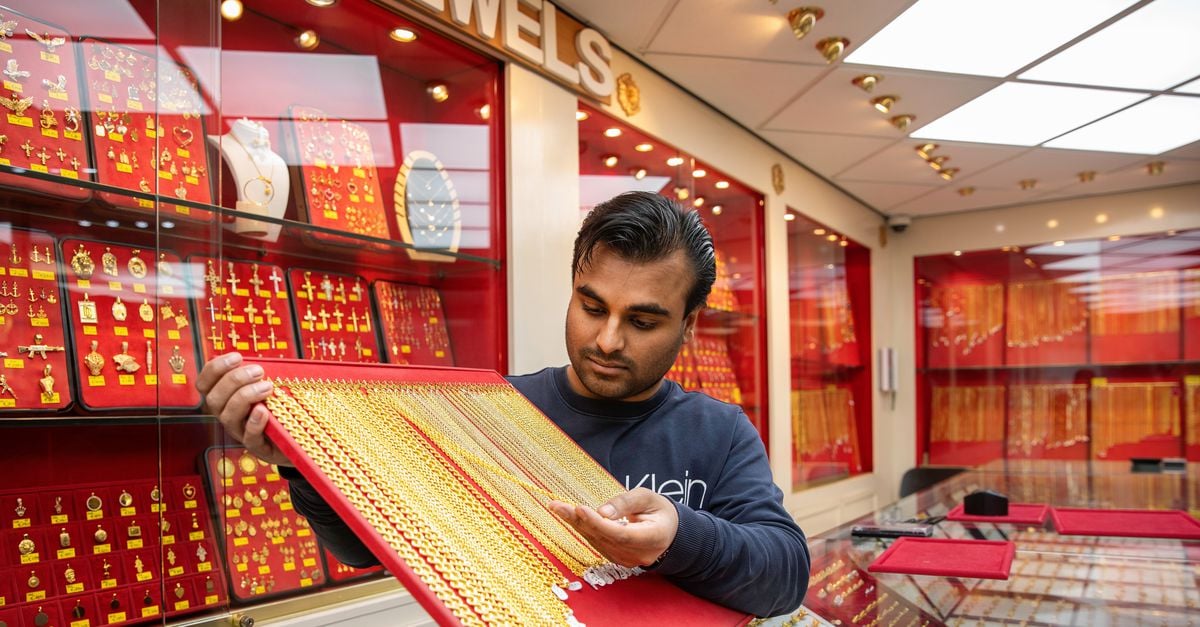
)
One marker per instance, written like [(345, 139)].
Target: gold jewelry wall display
[(119, 311), (82, 264), (137, 266)]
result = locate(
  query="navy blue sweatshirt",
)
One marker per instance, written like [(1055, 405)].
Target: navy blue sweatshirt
[(735, 545)]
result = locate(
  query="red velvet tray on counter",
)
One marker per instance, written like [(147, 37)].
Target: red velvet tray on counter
[(134, 346), (36, 375), (1018, 514), (1128, 523), (334, 311), (943, 557), (646, 598)]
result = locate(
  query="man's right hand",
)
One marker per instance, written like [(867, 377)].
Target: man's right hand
[(232, 392)]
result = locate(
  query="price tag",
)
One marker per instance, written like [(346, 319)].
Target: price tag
[(439, 354), (189, 505), (168, 539), (241, 541), (49, 57), (182, 605), (306, 582), (360, 173), (264, 569), (112, 76), (368, 352), (66, 553), (241, 568), (31, 558), (148, 333), (309, 562), (74, 135), (21, 523), (71, 174), (75, 587), (84, 284), (258, 511), (330, 215), (59, 519), (116, 617), (1191, 380), (145, 204), (49, 132), (151, 379), (108, 583), (191, 180), (405, 348), (123, 331), (172, 334), (1099, 382), (183, 153), (126, 379), (43, 275), (303, 533), (145, 575), (14, 86), (35, 596), (175, 572), (196, 536), (286, 506), (289, 567), (179, 379), (150, 611), (18, 272), (96, 515), (140, 288), (125, 167), (204, 567), (105, 98), (100, 549), (12, 362), (211, 599), (129, 511), (8, 403), (20, 120), (249, 480), (89, 330), (134, 105), (183, 211), (5, 46), (134, 544), (39, 322), (96, 381), (276, 540), (164, 174), (81, 623)]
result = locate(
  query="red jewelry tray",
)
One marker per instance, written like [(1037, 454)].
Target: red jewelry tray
[(1018, 514), (1128, 523), (645, 599), (941, 557)]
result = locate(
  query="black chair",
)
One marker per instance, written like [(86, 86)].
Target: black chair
[(922, 477)]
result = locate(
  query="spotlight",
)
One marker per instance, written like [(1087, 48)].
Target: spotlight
[(402, 35), (831, 237), (699, 173), (307, 40), (231, 10), (902, 121), (438, 91), (1087, 176), (638, 173), (644, 147), (866, 82), (818, 231), (722, 185), (612, 132), (322, 3), (610, 160), (682, 193), (884, 103), (1027, 184), (484, 111), (948, 173), (1101, 218), (832, 48), (675, 161), (803, 19), (581, 116), (698, 202), (926, 151), (716, 209), (936, 162), (1154, 168), (789, 216), (966, 191)]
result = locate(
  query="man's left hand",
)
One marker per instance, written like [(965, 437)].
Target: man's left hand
[(652, 523)]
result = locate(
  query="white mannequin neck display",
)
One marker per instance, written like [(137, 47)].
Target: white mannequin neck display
[(260, 175)]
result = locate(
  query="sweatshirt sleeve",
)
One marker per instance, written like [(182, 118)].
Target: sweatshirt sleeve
[(746, 552), (329, 527)]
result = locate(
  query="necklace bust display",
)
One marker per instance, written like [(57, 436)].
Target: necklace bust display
[(260, 175)]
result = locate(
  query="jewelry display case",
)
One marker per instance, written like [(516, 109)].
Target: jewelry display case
[(181, 180), (829, 304), (1066, 350), (727, 359)]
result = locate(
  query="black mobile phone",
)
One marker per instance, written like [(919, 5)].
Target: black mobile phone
[(899, 530)]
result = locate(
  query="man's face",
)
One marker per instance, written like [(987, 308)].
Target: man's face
[(625, 324)]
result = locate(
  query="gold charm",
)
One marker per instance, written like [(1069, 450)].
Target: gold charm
[(93, 503), (15, 258), (189, 491), (20, 508), (140, 566), (69, 574), (47, 385), (177, 362), (124, 361), (33, 580), (134, 531), (137, 267), (145, 311), (156, 495), (126, 499), (26, 546), (108, 263), (226, 468), (178, 590), (247, 464), (119, 311), (82, 264), (164, 267), (94, 360), (58, 506), (64, 539), (101, 536)]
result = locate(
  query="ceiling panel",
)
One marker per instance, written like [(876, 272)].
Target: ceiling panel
[(948, 200), (900, 163), (628, 23), (1050, 167), (826, 154), (1132, 177), (748, 91), (740, 29), (1190, 151), (834, 105), (886, 195)]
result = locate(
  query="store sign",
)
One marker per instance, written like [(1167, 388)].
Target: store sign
[(535, 34)]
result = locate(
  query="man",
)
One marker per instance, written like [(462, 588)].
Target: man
[(643, 267)]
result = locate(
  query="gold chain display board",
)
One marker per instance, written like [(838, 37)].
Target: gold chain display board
[(445, 474)]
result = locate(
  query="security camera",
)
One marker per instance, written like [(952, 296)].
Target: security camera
[(899, 222)]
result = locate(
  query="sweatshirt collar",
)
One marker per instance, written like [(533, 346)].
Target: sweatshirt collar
[(604, 408)]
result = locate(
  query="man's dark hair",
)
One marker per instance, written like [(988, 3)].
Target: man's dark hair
[(644, 227)]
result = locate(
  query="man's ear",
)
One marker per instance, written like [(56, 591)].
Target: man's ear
[(689, 325)]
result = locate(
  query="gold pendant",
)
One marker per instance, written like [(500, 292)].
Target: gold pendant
[(108, 263), (101, 536), (134, 531), (126, 499), (82, 264), (64, 539), (137, 267), (189, 491), (119, 311), (247, 464), (69, 574), (176, 361), (145, 311), (26, 546), (33, 581), (94, 503), (94, 360)]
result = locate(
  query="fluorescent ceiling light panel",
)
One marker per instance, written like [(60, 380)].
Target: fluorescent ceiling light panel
[(1111, 56), (1149, 128), (982, 38), (1189, 88), (1025, 114)]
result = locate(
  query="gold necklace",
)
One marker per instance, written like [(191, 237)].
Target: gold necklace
[(268, 185)]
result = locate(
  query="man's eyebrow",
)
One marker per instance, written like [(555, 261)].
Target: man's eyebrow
[(653, 309)]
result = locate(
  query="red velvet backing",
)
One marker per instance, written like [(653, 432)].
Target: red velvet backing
[(941, 557), (1129, 523)]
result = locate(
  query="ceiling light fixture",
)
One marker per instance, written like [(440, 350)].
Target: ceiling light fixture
[(612, 132), (866, 82), (843, 243), (644, 147), (402, 34), (308, 39), (484, 111), (1157, 212), (903, 121), (638, 173), (682, 193), (675, 161), (321, 3), (1052, 223), (1154, 168), (948, 173), (721, 185), (1029, 184), (1151, 127), (698, 202), (717, 209), (438, 91), (802, 20), (818, 231), (884, 103), (231, 10), (832, 237), (966, 191), (926, 151), (789, 217), (958, 253), (610, 160), (936, 162), (1059, 242), (1114, 238), (1087, 176), (581, 116), (699, 173), (832, 48), (1101, 218)]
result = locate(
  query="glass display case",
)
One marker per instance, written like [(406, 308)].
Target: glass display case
[(727, 358), (829, 304), (179, 180), (1066, 350)]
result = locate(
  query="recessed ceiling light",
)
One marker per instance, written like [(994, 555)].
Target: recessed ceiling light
[(674, 161), (612, 132), (402, 34), (232, 10), (699, 173), (831, 237), (644, 147), (1105, 58), (717, 209), (1023, 114), (638, 173), (322, 3), (308, 39), (818, 231), (789, 217), (962, 37), (722, 185), (1148, 128), (610, 160), (1101, 218), (581, 116)]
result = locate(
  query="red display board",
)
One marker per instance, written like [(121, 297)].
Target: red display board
[(134, 343), (645, 598), (92, 552), (44, 124), (985, 559), (1137, 318), (270, 549), (35, 375), (243, 306), (334, 311), (413, 323), (338, 184), (147, 131)]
